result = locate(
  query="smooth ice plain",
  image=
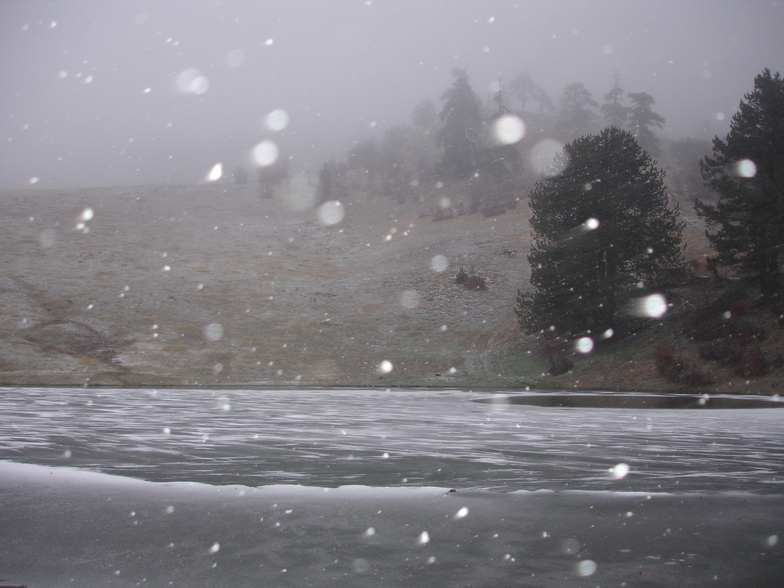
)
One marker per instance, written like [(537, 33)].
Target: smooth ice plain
[(383, 488)]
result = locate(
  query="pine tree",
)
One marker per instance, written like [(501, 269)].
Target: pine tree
[(614, 112), (499, 165), (747, 172), (642, 118), (461, 134), (545, 103), (577, 115), (603, 234), (523, 88)]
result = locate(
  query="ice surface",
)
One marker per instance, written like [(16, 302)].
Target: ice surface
[(331, 438), (506, 493), (64, 527)]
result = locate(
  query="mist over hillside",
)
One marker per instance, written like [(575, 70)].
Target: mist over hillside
[(104, 94), (377, 137)]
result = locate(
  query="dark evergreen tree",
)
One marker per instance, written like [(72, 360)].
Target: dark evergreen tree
[(747, 172), (614, 112), (460, 135), (642, 118), (603, 234), (577, 115)]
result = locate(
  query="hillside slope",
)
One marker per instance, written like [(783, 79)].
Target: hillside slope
[(211, 285)]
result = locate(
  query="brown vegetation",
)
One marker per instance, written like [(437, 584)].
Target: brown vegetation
[(667, 363), (674, 368), (474, 283), (558, 352)]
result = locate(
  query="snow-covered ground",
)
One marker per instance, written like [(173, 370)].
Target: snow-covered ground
[(354, 488)]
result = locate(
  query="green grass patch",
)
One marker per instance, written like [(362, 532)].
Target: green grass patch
[(521, 364)]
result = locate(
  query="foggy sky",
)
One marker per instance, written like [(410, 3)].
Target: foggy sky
[(89, 94)]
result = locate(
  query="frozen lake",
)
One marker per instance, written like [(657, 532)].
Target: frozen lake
[(330, 438), (352, 488)]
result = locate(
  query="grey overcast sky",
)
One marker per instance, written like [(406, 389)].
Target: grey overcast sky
[(113, 92)]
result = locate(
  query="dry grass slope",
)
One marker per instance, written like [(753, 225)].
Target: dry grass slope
[(127, 303)]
